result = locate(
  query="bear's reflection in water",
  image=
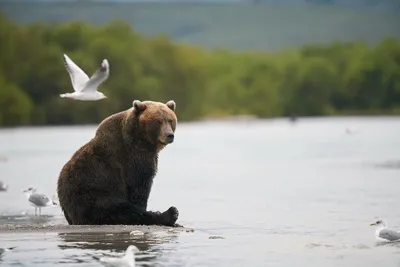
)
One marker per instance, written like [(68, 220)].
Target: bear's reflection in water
[(109, 244)]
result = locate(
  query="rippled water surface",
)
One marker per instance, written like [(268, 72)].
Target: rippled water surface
[(279, 194)]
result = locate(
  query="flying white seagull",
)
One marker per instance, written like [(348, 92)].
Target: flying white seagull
[(38, 200), (128, 260), (385, 233), (85, 88)]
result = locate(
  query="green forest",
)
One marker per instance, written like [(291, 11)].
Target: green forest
[(312, 80)]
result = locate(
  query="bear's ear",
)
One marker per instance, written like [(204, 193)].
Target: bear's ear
[(139, 106), (171, 104)]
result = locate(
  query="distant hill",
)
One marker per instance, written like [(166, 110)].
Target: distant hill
[(369, 4), (362, 4), (243, 26)]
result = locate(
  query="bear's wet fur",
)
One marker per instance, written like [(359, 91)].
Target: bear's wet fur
[(109, 179)]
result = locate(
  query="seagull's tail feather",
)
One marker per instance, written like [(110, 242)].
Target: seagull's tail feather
[(63, 95), (10, 248), (54, 199)]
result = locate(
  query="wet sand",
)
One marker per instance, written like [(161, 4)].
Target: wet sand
[(48, 245), (62, 228)]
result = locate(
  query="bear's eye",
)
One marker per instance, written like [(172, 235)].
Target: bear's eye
[(170, 121)]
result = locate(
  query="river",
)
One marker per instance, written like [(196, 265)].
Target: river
[(278, 193)]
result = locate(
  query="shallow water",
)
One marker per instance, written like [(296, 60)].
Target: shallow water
[(280, 194)]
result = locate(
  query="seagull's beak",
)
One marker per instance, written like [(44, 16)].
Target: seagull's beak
[(372, 224)]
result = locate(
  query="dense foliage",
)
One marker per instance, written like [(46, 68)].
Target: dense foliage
[(313, 80)]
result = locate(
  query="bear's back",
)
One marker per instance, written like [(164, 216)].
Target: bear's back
[(107, 145), (112, 126)]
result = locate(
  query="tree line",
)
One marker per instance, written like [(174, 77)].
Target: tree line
[(313, 80)]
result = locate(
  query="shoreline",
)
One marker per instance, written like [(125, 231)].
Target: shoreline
[(63, 228), (227, 118)]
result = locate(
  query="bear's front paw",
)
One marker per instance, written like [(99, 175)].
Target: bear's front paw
[(170, 216)]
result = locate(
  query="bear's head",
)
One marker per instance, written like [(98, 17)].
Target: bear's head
[(157, 121)]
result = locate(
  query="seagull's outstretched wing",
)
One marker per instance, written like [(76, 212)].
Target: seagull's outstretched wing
[(389, 234), (78, 77), (98, 77)]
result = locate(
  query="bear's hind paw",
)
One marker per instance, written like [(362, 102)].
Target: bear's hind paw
[(170, 216)]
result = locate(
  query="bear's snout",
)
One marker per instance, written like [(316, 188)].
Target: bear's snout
[(169, 138)]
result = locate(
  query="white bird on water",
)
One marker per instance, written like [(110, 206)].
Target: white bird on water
[(3, 250), (384, 232), (38, 200), (128, 260), (3, 186), (85, 88)]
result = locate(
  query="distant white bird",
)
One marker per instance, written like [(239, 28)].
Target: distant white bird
[(3, 186), (38, 200), (2, 250), (351, 130), (85, 88), (385, 233), (128, 260)]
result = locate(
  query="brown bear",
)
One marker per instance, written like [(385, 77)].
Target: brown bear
[(109, 179)]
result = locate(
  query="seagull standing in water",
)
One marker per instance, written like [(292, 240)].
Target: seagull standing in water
[(385, 233), (38, 200), (128, 260), (85, 88)]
